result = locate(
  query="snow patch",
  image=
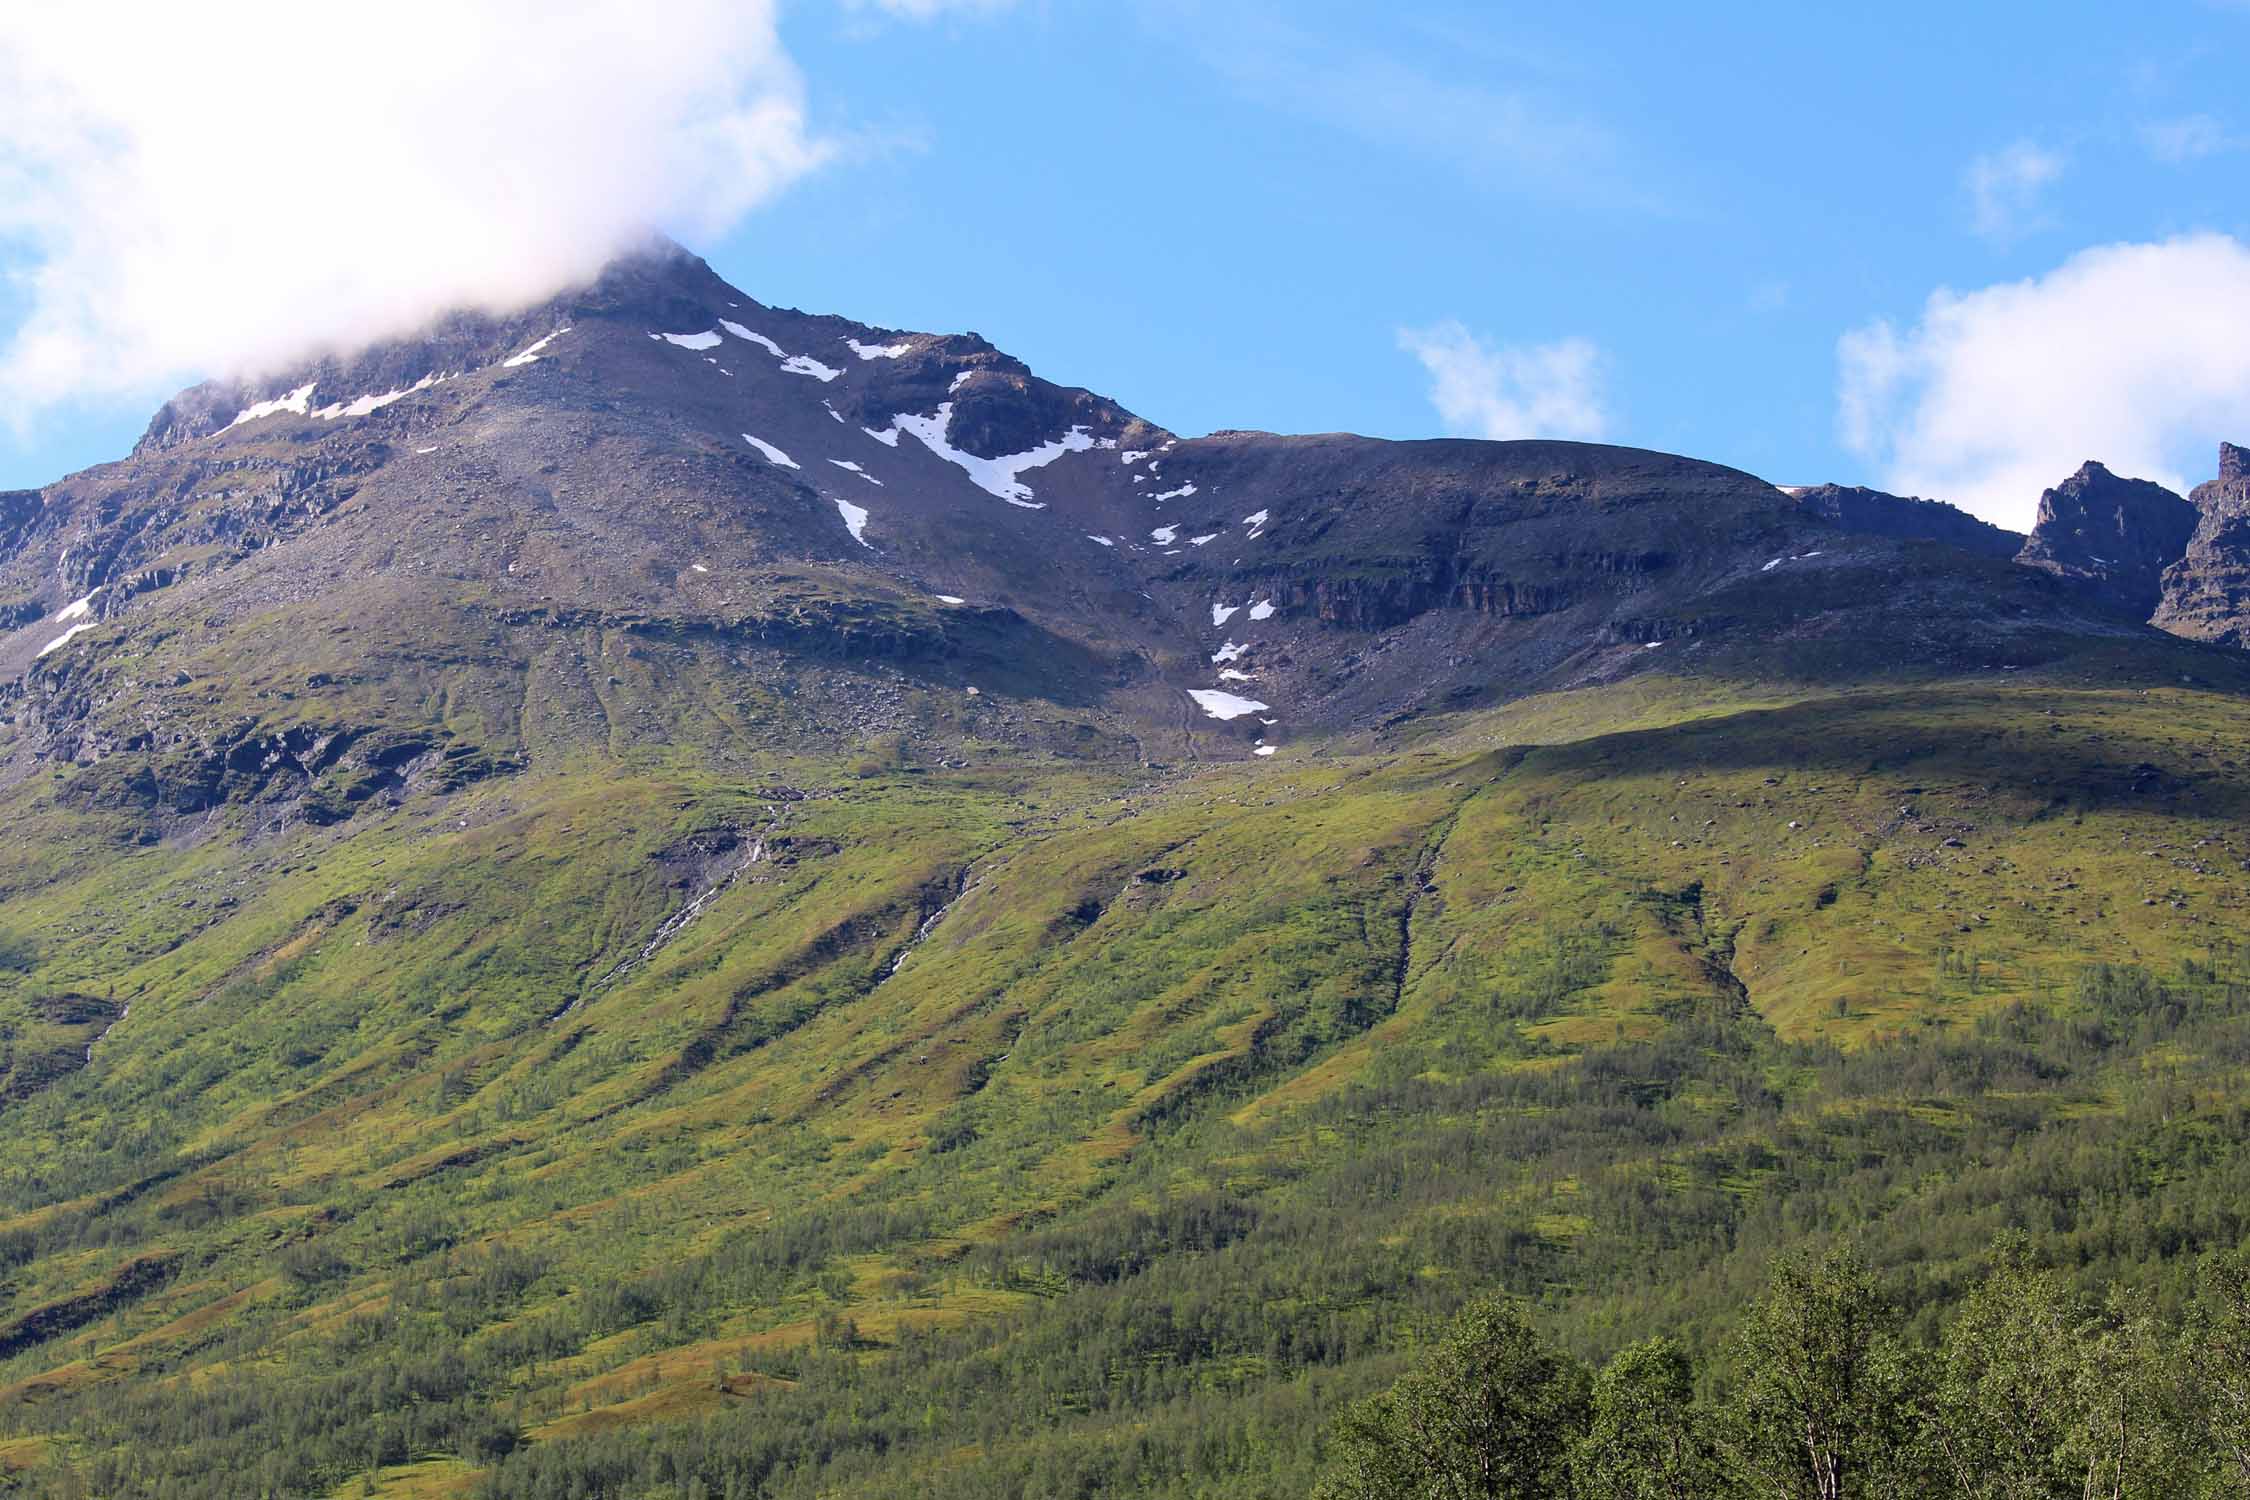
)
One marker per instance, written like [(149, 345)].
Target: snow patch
[(1133, 456), (824, 406), (1105, 541), (1229, 652), (707, 339), (77, 609), (1224, 705), (67, 637), (1263, 750), (888, 437), (995, 476), (298, 401), (759, 339), (1256, 519), (1769, 567), (530, 354), (951, 599), (698, 567), (1221, 613), (959, 380), (805, 364), (360, 406), (1262, 610), (431, 449), (1181, 493), (1166, 535), (1229, 674), (1197, 541), (773, 454), (877, 351), (849, 467), (855, 521)]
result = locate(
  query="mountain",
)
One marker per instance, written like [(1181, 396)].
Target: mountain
[(661, 895), (2207, 592), (1856, 508), (661, 458), (2114, 536)]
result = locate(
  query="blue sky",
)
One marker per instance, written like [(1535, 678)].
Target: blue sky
[(1634, 221)]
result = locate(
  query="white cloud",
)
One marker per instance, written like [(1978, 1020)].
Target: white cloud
[(1510, 390), (2132, 354), (197, 188), (2005, 188), (2189, 138)]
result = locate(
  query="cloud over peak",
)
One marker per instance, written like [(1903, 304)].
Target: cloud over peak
[(2129, 353), (233, 186)]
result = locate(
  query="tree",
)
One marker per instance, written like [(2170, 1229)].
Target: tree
[(1645, 1439), (1489, 1414), (2129, 1439), (2008, 1389), (2218, 1351), (1822, 1408)]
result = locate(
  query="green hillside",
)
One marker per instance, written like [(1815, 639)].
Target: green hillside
[(646, 1120)]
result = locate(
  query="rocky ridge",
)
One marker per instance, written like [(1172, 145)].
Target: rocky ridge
[(2207, 591), (2115, 537), (1869, 512)]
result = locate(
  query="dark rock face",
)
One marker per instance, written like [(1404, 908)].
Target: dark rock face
[(1856, 508), (2113, 536), (2207, 592)]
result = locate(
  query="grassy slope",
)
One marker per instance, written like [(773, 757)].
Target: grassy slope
[(1327, 1002)]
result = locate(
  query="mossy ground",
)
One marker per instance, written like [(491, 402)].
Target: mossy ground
[(954, 1016)]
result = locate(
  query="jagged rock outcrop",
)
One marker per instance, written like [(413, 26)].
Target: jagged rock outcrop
[(1856, 508), (2206, 594), (2113, 536)]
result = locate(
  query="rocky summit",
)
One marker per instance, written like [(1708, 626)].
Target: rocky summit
[(2207, 592), (656, 895), (2115, 536)]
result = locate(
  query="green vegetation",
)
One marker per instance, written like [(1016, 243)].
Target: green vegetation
[(660, 1123), (2030, 1391)]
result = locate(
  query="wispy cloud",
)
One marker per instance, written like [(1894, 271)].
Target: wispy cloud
[(1503, 391), (2131, 354), (2189, 138), (928, 10), (1513, 130), (2006, 189), (1769, 296)]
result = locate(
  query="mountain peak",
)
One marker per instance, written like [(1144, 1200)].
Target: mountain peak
[(2115, 536), (2234, 462), (657, 280), (2207, 592)]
